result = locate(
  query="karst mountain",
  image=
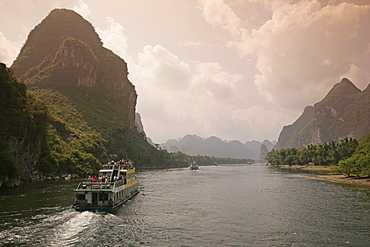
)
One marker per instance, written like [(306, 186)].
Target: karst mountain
[(344, 112)]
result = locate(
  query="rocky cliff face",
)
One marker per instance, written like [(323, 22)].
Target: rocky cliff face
[(286, 135), (263, 153), (139, 124), (344, 112), (65, 54)]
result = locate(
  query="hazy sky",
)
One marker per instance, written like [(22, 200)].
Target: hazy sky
[(236, 69)]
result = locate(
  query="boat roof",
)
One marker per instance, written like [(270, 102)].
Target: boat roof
[(106, 170), (110, 170)]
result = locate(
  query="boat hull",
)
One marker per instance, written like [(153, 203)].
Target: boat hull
[(104, 209)]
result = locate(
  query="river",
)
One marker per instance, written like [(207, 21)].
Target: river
[(225, 205)]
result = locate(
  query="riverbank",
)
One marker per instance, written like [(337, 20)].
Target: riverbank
[(317, 169), (364, 181), (326, 170)]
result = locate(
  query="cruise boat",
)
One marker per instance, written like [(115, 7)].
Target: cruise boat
[(115, 184)]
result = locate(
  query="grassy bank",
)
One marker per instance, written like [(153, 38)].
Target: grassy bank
[(318, 169), (364, 181)]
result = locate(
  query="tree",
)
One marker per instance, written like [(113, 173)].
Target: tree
[(355, 157), (347, 147), (324, 154), (345, 167)]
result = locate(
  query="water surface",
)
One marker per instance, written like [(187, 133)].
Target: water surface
[(226, 205)]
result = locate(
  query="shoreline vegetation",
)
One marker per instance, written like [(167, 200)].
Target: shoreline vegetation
[(326, 173), (346, 161)]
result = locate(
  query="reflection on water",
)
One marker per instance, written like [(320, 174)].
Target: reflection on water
[(214, 206)]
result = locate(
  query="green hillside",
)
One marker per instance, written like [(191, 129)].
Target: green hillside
[(34, 144)]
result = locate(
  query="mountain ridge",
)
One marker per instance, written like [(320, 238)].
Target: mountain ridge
[(216, 147), (343, 112)]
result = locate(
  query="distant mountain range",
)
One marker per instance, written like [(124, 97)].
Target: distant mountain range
[(344, 112), (214, 146)]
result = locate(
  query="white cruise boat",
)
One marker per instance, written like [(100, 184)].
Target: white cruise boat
[(116, 184)]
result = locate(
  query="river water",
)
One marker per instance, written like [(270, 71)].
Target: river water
[(226, 205)]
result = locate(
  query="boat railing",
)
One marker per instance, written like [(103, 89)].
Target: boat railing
[(99, 185), (119, 165)]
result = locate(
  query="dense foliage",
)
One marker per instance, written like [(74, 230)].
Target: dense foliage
[(348, 157), (23, 121), (359, 163), (32, 140), (325, 154)]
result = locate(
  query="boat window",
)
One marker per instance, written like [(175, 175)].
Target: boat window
[(103, 197), (80, 196)]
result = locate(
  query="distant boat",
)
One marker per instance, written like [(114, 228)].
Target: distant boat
[(115, 185), (193, 166)]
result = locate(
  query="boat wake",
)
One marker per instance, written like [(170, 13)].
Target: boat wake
[(62, 228), (88, 228), (69, 232)]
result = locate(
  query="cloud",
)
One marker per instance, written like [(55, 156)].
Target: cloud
[(271, 5), (358, 76), (163, 69), (217, 13), (212, 83), (301, 51), (8, 50), (83, 9), (190, 96), (113, 38), (257, 121), (191, 43)]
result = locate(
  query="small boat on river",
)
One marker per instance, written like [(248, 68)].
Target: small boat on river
[(193, 166), (115, 185)]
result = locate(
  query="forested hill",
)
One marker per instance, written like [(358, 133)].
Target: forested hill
[(85, 85), (344, 112)]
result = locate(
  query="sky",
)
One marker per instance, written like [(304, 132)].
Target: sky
[(235, 69)]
